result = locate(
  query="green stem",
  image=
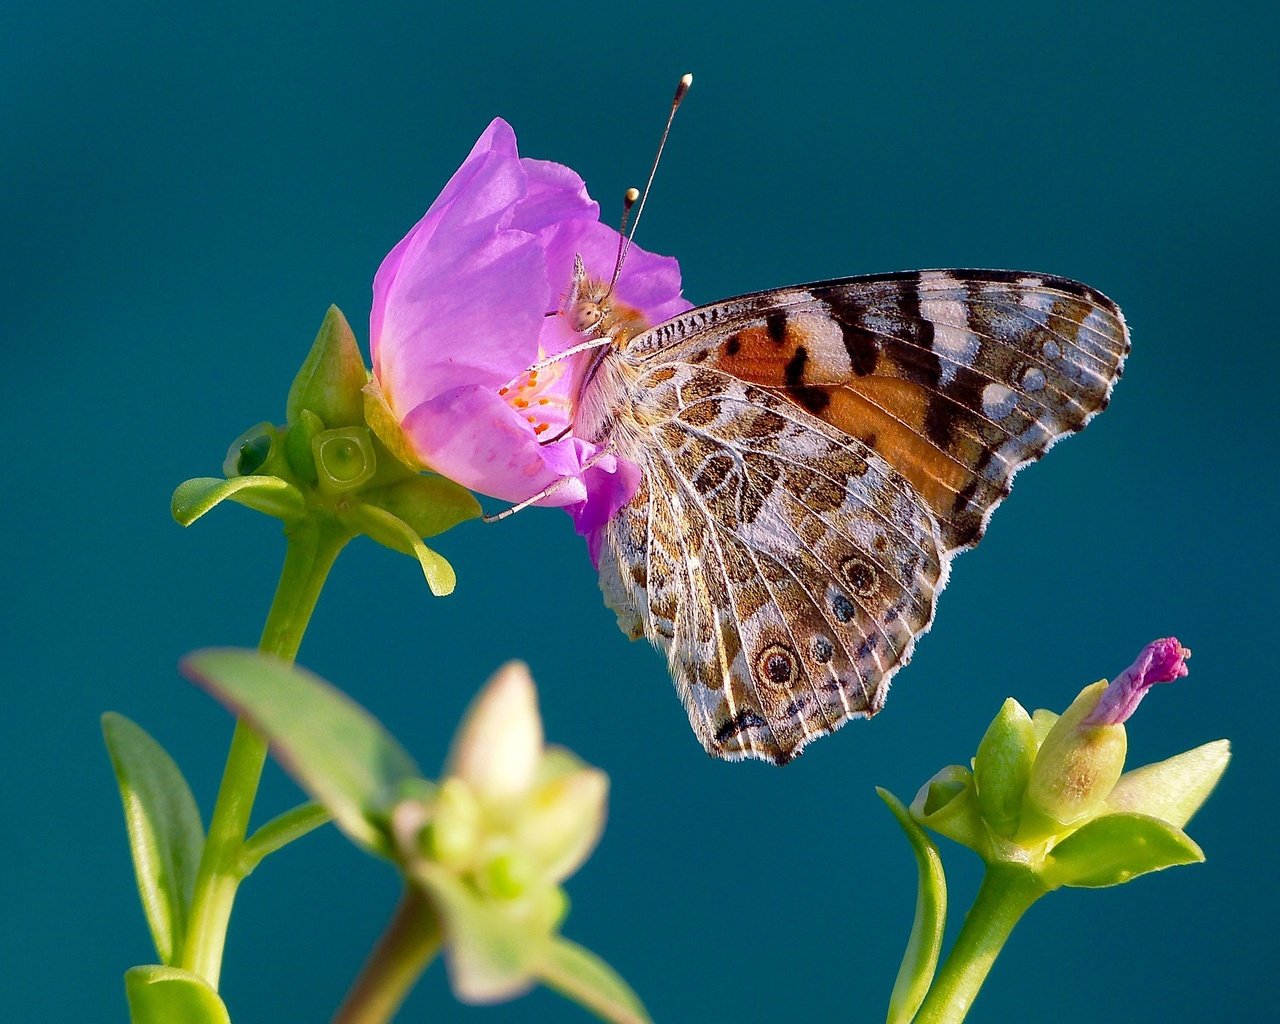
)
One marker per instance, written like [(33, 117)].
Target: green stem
[(312, 548), (1007, 891), (408, 945)]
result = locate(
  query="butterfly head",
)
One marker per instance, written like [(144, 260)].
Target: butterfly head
[(595, 312)]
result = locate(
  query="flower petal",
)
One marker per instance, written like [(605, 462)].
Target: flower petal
[(1161, 661), (472, 436)]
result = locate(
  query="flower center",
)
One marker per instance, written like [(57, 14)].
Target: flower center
[(531, 395)]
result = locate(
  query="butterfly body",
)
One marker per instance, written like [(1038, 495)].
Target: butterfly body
[(811, 459)]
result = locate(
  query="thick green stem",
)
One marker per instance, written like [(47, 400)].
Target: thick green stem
[(408, 945), (313, 546), (1007, 891)]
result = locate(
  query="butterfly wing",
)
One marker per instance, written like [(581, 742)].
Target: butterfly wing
[(812, 458), (958, 378), (783, 567)]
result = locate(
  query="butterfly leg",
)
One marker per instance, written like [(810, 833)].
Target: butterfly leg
[(547, 491)]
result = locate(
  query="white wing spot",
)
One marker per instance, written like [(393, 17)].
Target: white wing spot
[(998, 401), (1033, 379)]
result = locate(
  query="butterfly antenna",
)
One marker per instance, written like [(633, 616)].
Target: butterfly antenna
[(629, 198), (681, 91)]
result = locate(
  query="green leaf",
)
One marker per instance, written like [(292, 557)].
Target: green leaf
[(280, 831), (428, 505), (581, 976), (167, 995), (398, 535), (491, 954), (331, 378), (920, 960), (332, 747), (1115, 848), (1172, 790), (164, 829), (268, 494)]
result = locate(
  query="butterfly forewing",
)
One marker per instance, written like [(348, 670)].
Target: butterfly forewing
[(957, 377), (811, 458)]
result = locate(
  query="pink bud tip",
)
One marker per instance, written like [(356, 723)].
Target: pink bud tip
[(1161, 661)]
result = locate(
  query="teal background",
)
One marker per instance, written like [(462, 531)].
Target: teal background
[(184, 190)]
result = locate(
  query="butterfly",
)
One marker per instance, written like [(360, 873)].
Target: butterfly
[(812, 458)]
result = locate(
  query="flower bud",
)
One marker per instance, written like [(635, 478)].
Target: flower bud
[(1077, 765), (250, 453), (946, 804), (456, 825), (497, 747), (344, 458), (1082, 756), (1003, 766)]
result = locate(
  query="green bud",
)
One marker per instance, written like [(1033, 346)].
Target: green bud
[(507, 875), (1042, 721), (1003, 766), (947, 805), (330, 380), (1075, 769), (303, 429), (455, 830), (344, 458), (251, 452)]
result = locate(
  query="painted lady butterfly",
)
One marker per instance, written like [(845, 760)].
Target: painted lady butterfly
[(812, 459)]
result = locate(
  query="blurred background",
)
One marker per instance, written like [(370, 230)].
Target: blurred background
[(185, 188)]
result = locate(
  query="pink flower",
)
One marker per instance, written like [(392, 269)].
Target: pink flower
[(461, 312), (1161, 661)]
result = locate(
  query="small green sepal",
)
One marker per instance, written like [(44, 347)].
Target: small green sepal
[(267, 494), (398, 535), (332, 376), (168, 995), (429, 505), (1174, 789), (578, 974), (1115, 848), (385, 424)]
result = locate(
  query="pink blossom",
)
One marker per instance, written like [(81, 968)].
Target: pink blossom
[(461, 312), (1161, 661)]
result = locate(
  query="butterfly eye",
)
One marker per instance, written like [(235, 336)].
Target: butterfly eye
[(587, 315)]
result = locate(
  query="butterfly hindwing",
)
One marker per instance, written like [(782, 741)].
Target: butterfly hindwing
[(957, 377), (787, 569)]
